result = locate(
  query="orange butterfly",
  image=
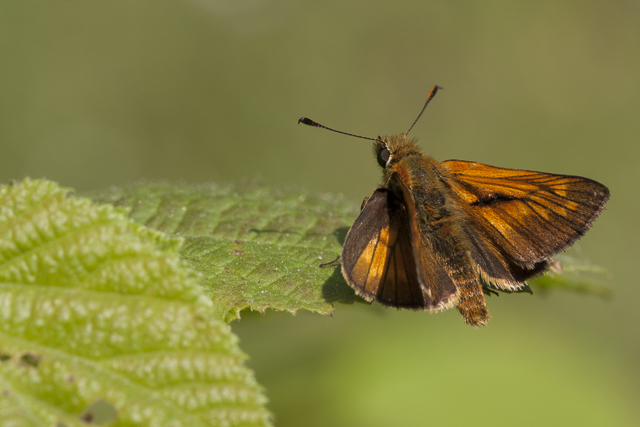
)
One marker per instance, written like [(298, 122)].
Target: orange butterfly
[(437, 235)]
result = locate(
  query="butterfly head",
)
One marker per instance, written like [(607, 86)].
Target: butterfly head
[(390, 149)]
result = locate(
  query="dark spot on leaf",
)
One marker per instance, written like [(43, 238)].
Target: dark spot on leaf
[(87, 417), (71, 379), (238, 242), (4, 357), (99, 412), (238, 252), (30, 359), (6, 393)]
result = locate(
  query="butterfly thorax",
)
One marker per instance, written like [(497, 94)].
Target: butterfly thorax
[(439, 228), (419, 172)]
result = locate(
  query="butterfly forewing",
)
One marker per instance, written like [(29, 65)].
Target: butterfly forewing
[(527, 215), (379, 261)]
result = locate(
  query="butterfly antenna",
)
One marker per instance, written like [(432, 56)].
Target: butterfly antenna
[(432, 93), (307, 121)]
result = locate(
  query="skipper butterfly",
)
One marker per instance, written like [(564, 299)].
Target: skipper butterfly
[(436, 235)]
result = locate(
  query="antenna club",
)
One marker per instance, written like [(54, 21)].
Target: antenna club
[(307, 121), (432, 93)]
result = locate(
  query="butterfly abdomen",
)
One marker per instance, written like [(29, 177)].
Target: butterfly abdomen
[(446, 241)]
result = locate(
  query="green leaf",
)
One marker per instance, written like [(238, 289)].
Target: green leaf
[(101, 323), (576, 275), (257, 247)]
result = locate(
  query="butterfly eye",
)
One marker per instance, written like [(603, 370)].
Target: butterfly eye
[(383, 157)]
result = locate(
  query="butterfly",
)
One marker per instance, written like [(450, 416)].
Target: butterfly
[(436, 235)]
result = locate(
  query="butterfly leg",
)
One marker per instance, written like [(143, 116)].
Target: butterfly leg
[(489, 291), (330, 262)]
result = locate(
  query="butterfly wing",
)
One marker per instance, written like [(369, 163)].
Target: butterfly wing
[(524, 216), (383, 261)]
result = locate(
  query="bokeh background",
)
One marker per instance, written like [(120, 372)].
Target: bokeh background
[(103, 93)]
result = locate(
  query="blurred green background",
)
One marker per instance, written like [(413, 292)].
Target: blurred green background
[(103, 93)]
